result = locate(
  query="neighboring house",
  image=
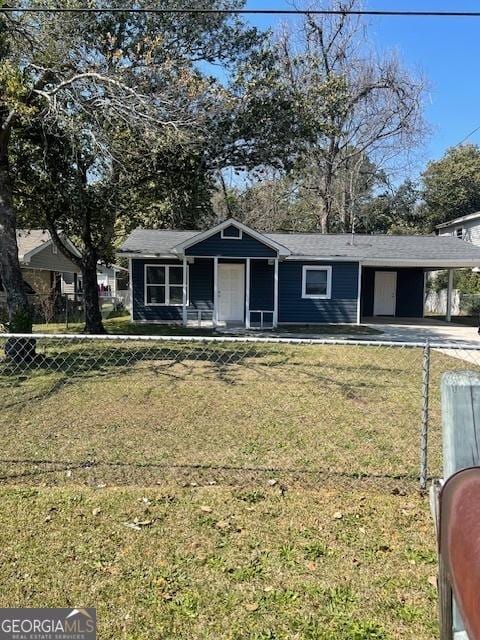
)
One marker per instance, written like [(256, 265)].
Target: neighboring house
[(44, 267), (232, 274), (466, 228), (112, 280)]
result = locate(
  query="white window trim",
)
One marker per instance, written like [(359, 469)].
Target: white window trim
[(167, 302), (224, 237), (308, 267)]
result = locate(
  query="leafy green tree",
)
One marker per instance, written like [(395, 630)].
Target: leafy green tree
[(396, 211), (110, 87), (451, 185)]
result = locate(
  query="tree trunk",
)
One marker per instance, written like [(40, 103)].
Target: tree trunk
[(93, 316), (19, 310)]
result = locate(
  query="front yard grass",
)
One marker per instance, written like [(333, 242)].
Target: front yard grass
[(236, 492), (224, 563), (306, 408), (122, 325)]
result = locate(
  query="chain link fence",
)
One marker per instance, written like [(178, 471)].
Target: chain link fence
[(139, 410), (65, 310)]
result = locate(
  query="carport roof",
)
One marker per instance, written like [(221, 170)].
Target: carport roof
[(387, 250)]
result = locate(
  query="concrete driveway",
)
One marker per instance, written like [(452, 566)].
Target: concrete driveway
[(419, 329)]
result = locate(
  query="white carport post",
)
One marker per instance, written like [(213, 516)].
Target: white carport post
[(247, 294), (275, 294), (185, 292), (449, 296)]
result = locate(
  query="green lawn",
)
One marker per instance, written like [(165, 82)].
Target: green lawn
[(349, 410), (224, 563), (258, 492), (122, 325)]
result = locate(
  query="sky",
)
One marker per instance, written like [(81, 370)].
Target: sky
[(445, 50)]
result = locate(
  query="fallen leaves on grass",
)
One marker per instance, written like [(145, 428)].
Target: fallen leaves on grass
[(138, 524), (206, 509)]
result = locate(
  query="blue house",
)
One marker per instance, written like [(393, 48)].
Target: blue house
[(232, 274)]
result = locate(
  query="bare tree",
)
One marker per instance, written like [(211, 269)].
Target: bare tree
[(361, 108)]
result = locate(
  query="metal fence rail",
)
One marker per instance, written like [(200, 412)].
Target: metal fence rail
[(133, 409)]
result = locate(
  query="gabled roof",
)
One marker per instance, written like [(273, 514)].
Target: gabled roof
[(372, 250), (31, 241), (470, 216), (231, 222)]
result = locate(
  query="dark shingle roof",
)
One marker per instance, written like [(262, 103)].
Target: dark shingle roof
[(364, 247), (154, 242)]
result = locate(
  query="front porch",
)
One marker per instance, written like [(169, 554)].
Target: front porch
[(230, 292)]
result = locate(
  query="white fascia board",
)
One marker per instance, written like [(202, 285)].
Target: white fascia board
[(149, 256), (28, 256), (324, 258), (203, 235), (440, 264), (455, 221), (71, 246)]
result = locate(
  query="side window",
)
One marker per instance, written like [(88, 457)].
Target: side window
[(316, 282)]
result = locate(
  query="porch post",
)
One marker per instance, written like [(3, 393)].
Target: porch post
[(185, 292), (247, 294), (275, 294), (215, 291), (130, 290), (449, 295), (359, 293)]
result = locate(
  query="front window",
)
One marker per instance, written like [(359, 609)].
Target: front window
[(163, 284), (460, 233), (317, 282)]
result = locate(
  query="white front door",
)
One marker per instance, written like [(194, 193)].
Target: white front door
[(231, 292), (385, 297)]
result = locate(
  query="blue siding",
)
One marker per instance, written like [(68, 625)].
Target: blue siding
[(200, 292), (145, 313), (342, 307), (232, 231), (410, 302), (410, 283), (292, 307), (201, 284), (216, 246), (261, 285)]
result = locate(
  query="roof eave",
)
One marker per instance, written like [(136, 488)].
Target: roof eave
[(425, 263), (450, 223), (150, 256)]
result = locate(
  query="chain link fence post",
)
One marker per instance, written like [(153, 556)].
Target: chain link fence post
[(425, 407)]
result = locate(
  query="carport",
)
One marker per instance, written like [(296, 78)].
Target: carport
[(397, 288)]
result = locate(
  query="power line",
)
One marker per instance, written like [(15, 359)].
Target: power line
[(322, 12), (459, 144)]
